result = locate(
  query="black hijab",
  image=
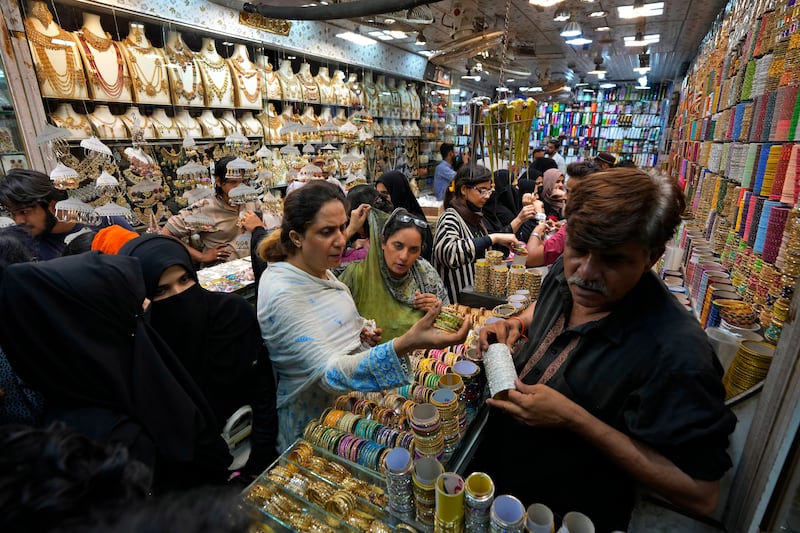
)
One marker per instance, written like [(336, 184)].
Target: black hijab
[(402, 196), (215, 335), (73, 329)]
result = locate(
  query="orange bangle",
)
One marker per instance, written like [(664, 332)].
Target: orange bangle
[(521, 324)]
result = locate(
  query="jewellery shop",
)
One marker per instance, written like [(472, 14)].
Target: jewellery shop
[(154, 96)]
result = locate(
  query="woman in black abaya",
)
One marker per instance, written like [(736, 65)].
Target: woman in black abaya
[(215, 335), (73, 329)]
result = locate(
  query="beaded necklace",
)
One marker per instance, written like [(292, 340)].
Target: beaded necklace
[(242, 75), (62, 83), (113, 90)]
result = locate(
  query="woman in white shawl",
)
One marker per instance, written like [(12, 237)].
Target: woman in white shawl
[(318, 343)]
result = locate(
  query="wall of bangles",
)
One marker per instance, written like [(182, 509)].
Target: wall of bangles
[(153, 104)]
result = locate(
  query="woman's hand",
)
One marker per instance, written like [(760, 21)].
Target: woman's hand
[(504, 239), (220, 252), (251, 221), (359, 243), (425, 300), (424, 335), (357, 218), (371, 336)]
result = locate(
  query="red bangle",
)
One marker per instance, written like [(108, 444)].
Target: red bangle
[(521, 324)]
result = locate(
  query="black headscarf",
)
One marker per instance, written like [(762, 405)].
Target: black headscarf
[(215, 335), (402, 196), (73, 329)]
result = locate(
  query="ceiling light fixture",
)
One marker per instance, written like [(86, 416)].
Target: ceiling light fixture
[(356, 38), (602, 28), (640, 9), (607, 85), (510, 80), (642, 40), (598, 69), (598, 14), (578, 41), (572, 29), (561, 16), (545, 3)]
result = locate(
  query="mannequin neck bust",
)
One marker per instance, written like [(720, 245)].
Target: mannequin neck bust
[(208, 51), (325, 114), (229, 116), (340, 114), (133, 113), (353, 78), (271, 110), (309, 113), (305, 70), (338, 76), (381, 81), (66, 110), (175, 40), (136, 36), (323, 74), (207, 116), (288, 112), (390, 83), (103, 112), (286, 69), (91, 23), (240, 54)]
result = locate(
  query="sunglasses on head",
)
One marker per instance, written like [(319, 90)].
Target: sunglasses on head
[(406, 218)]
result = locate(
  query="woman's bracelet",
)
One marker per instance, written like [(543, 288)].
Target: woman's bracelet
[(521, 324)]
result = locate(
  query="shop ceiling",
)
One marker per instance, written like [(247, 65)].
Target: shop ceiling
[(471, 35)]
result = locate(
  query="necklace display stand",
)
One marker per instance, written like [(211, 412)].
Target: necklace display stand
[(247, 80), (135, 121), (232, 125), (217, 78), (166, 127), (272, 124), (212, 126), (309, 86), (65, 117), (184, 73), (356, 90), (107, 125), (102, 58), (250, 125), (188, 124), (56, 57), (323, 79), (405, 101), (341, 93), (289, 83), (272, 82), (147, 67), (370, 95), (416, 105), (384, 107)]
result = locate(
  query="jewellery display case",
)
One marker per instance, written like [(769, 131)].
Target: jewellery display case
[(12, 154)]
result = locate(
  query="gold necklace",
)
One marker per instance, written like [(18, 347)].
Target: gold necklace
[(62, 83), (108, 127), (161, 127), (69, 122), (41, 12), (242, 75), (183, 57), (113, 90), (157, 82), (100, 44), (214, 89)]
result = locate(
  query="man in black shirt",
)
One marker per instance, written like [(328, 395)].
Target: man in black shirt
[(618, 384)]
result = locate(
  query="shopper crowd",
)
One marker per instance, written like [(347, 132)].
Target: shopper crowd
[(118, 371)]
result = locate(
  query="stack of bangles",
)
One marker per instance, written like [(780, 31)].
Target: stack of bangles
[(433, 365), (330, 434), (427, 379), (416, 393), (426, 425), (446, 402), (285, 508), (447, 356), (392, 410), (448, 320)]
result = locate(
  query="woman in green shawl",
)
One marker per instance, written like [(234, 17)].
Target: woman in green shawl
[(394, 285)]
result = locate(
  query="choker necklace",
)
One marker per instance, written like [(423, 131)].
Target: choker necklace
[(69, 122), (161, 127), (100, 44), (62, 83)]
